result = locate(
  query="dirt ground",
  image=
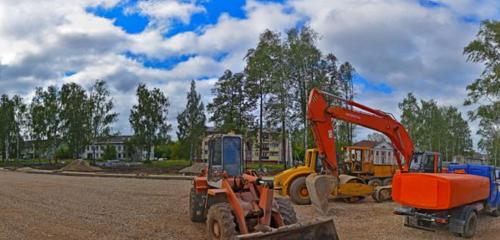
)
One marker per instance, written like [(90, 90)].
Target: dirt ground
[(61, 207)]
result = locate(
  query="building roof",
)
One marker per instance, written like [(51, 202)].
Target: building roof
[(116, 139), (366, 143)]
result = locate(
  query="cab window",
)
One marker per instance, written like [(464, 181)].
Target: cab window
[(232, 155)]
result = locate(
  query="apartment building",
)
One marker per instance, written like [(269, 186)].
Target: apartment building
[(271, 146)]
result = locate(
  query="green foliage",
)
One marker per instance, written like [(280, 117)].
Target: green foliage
[(176, 164), (75, 116), (485, 90), (148, 118), (278, 76), (231, 108), (434, 128), (268, 166), (63, 152), (191, 124), (109, 153)]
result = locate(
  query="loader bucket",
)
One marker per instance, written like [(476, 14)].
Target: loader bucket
[(318, 229), (320, 188)]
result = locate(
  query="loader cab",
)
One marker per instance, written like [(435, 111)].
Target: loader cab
[(426, 162), (311, 160), (225, 156)]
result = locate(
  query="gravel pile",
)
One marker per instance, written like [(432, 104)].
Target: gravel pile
[(80, 166), (194, 169)]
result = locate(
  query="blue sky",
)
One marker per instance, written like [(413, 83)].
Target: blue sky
[(135, 23), (396, 47)]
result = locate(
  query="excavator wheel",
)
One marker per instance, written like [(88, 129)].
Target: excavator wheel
[(220, 222), (298, 192), (196, 206), (286, 210)]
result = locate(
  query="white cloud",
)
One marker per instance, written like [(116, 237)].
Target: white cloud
[(395, 42)]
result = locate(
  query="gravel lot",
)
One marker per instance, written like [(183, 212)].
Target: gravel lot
[(36, 206)]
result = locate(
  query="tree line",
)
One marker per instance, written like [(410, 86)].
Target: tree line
[(272, 90), (62, 122), (270, 93)]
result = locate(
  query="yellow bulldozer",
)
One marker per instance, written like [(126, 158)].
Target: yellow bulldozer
[(292, 182)]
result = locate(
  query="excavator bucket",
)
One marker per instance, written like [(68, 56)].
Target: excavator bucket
[(320, 188), (319, 229)]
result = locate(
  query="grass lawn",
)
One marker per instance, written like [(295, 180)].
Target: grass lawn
[(169, 164), (268, 166)]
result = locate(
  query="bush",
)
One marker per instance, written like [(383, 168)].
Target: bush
[(109, 153)]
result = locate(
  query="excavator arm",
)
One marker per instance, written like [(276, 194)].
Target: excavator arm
[(321, 116)]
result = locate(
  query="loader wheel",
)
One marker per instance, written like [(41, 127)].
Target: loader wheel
[(470, 225), (387, 182), (286, 210), (298, 192), (220, 222), (196, 206), (375, 182)]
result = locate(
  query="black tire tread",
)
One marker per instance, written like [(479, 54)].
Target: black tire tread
[(222, 212), (196, 206), (287, 211), (294, 191)]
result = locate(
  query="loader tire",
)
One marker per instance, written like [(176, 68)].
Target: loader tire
[(286, 210), (470, 225), (375, 182), (196, 206), (298, 192), (387, 182), (221, 223)]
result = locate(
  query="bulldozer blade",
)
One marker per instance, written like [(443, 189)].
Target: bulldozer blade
[(319, 229), (320, 188)]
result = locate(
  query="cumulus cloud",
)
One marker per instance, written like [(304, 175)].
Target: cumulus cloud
[(399, 43)]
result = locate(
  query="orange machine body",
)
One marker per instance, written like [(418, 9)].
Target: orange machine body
[(438, 191)]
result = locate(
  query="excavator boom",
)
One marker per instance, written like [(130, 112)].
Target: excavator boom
[(321, 116)]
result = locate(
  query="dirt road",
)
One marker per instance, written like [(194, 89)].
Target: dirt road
[(60, 207)]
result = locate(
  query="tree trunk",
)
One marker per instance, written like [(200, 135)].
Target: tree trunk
[(260, 132), (191, 153)]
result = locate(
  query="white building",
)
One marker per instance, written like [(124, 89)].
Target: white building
[(121, 152), (383, 152)]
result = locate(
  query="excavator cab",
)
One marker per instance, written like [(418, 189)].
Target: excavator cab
[(426, 162)]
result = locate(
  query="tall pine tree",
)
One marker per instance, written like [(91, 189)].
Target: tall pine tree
[(231, 107), (191, 123)]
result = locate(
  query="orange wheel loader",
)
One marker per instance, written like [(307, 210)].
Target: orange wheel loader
[(241, 205)]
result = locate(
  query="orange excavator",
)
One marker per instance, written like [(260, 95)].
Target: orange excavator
[(321, 116)]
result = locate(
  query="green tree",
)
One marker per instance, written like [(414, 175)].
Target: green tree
[(109, 153), (101, 113), (7, 128), (231, 108), (485, 90), (76, 117), (303, 59), (148, 118), (191, 123), (435, 128), (261, 69)]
